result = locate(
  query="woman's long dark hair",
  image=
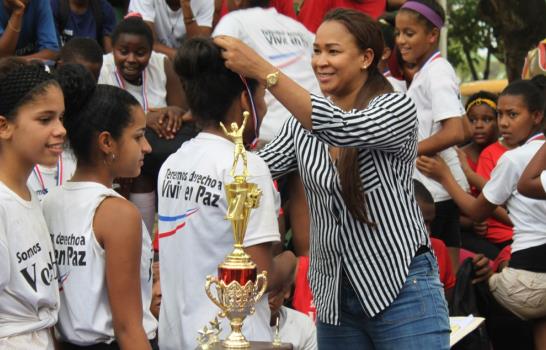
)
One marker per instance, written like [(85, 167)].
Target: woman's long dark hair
[(367, 35)]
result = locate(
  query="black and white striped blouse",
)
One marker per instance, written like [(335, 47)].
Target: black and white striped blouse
[(376, 260)]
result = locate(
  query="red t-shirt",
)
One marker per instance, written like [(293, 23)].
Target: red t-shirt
[(504, 255), (447, 277), (285, 7), (312, 11), (496, 231), (303, 298)]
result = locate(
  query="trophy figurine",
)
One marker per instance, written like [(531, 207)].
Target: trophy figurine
[(238, 285)]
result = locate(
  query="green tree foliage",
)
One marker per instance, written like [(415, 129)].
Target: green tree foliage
[(467, 34), (506, 29), (519, 25)]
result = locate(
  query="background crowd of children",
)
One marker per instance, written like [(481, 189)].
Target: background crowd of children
[(135, 91)]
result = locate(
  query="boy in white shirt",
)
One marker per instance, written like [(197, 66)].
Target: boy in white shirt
[(172, 21)]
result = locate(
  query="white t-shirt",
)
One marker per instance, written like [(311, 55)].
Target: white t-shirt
[(195, 237), (155, 83), (169, 25), (398, 85), (85, 317), (42, 339), (528, 215), (435, 92), (29, 293), (43, 178), (297, 329), (281, 40)]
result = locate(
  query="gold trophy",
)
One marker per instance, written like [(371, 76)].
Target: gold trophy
[(238, 286)]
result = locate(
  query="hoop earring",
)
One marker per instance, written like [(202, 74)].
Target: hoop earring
[(112, 159)]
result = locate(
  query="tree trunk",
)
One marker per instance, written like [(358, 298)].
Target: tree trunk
[(519, 24), (470, 63), (516, 49)]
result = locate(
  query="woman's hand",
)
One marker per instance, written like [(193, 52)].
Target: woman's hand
[(433, 167), (242, 59)]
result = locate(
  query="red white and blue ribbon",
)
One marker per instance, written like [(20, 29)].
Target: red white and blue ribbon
[(40, 178), (121, 84), (539, 136), (435, 55), (254, 114)]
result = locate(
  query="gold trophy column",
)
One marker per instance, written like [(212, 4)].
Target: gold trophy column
[(238, 286)]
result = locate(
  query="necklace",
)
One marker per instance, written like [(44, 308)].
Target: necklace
[(58, 177), (173, 25), (176, 14), (144, 93)]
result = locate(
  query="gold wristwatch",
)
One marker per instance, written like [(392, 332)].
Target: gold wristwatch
[(272, 79)]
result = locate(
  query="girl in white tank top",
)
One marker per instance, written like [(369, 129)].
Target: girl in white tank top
[(31, 104), (103, 250)]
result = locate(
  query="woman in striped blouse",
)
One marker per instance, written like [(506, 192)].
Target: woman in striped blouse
[(374, 280)]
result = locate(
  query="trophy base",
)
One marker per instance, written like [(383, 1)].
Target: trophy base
[(254, 345)]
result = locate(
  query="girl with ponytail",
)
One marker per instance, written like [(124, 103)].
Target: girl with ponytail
[(435, 90), (371, 269), (102, 248)]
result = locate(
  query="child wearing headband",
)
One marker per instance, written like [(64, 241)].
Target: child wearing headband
[(194, 236), (103, 252), (435, 91), (478, 160), (31, 132), (481, 114)]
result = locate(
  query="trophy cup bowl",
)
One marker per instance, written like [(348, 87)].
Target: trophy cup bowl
[(237, 291)]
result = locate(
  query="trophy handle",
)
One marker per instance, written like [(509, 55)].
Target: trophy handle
[(263, 278), (211, 280)]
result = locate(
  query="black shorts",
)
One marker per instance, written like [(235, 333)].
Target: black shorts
[(446, 225), (103, 346)]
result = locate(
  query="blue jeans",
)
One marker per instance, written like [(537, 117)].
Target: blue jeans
[(417, 319)]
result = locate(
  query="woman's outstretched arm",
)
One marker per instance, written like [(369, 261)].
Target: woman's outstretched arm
[(243, 60)]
